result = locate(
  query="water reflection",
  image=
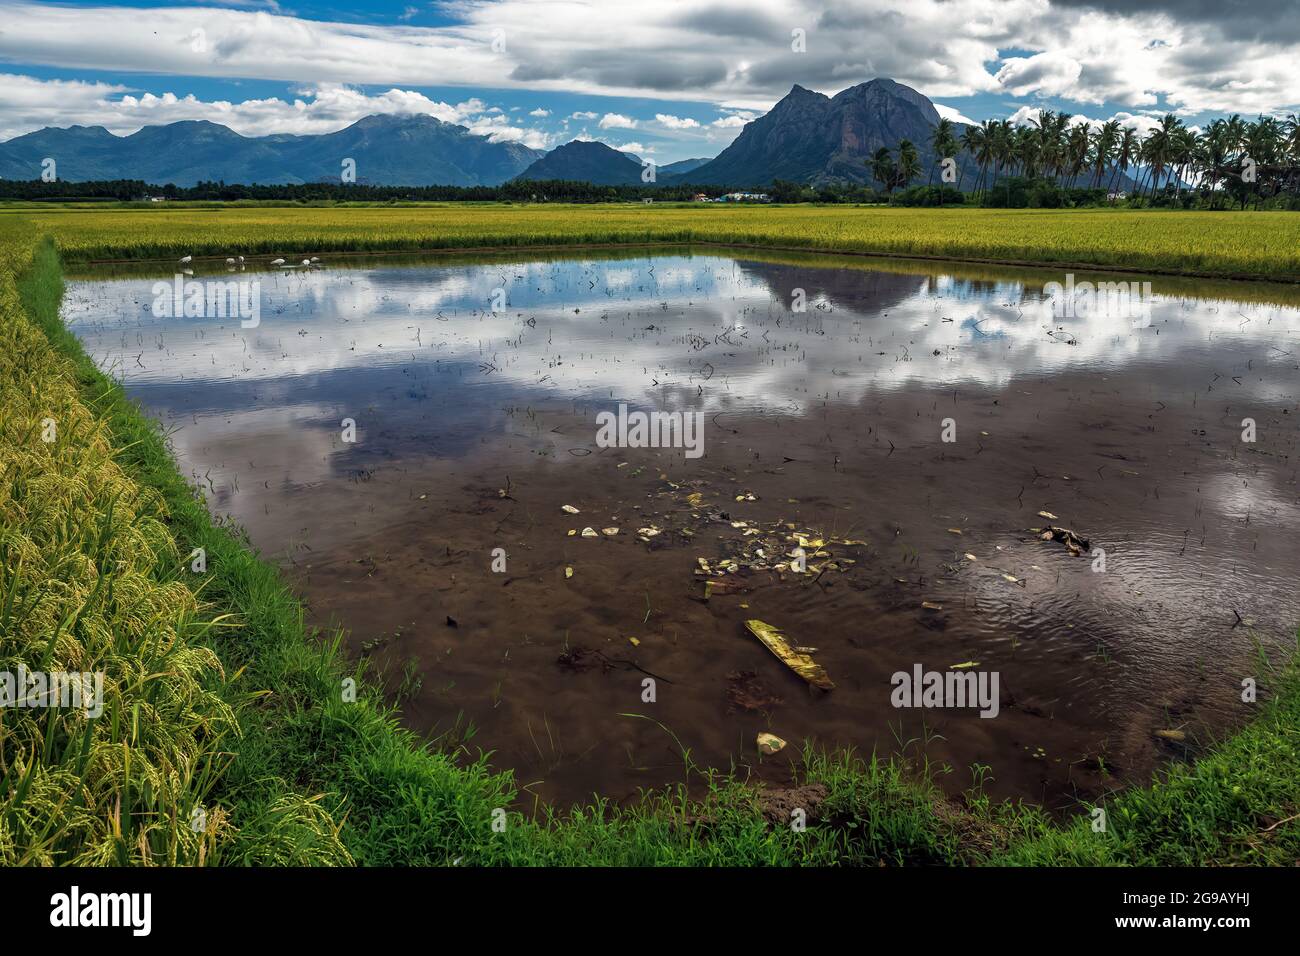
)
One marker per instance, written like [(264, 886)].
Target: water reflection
[(579, 328)]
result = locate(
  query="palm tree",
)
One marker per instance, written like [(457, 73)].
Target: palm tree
[(1104, 144), (1159, 148), (1266, 139), (1212, 155), (1077, 145), (944, 144), (985, 144), (1003, 147), (975, 141), (909, 162), (1050, 155), (1125, 153), (1292, 145), (882, 169), (1028, 149)]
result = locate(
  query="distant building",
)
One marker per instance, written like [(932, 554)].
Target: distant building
[(746, 197), (1113, 196), (647, 201), (700, 197)]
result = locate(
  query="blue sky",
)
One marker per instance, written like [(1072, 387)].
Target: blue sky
[(668, 80)]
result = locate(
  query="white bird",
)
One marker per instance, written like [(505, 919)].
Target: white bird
[(277, 262), (315, 258), (241, 258), (306, 262), (185, 259), (230, 262)]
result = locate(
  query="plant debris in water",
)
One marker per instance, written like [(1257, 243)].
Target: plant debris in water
[(1073, 542), (801, 664)]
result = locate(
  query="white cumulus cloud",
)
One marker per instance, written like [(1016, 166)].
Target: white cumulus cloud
[(617, 121), (669, 121)]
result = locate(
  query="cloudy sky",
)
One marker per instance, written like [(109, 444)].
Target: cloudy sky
[(667, 79)]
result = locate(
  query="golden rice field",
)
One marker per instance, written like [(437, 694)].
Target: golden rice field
[(90, 584), (1245, 244)]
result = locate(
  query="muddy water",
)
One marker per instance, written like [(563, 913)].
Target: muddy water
[(826, 389)]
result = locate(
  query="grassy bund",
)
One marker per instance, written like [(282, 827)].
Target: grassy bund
[(225, 737)]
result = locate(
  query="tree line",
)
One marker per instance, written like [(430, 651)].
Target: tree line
[(127, 190), (1230, 160)]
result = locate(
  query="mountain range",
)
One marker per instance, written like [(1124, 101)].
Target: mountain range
[(807, 138), (389, 150)]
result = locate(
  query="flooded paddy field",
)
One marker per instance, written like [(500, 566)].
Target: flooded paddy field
[(881, 449)]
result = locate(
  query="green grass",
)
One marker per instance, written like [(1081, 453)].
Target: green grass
[(249, 721), (1239, 804)]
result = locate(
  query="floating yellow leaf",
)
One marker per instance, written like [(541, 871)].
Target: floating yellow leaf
[(569, 509), (769, 743), (963, 664), (609, 531), (801, 664), (634, 642), (1175, 735), (1047, 514), (589, 533), (931, 606), (568, 572)]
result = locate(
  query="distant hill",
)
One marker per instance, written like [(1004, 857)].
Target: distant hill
[(389, 150), (584, 161), (681, 166)]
